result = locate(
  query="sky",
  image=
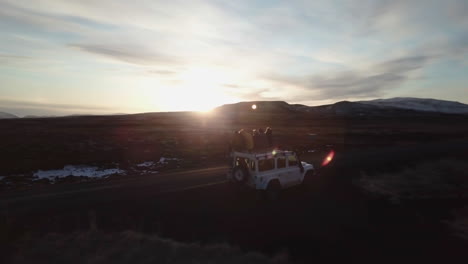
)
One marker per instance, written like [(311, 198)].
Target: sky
[(111, 56)]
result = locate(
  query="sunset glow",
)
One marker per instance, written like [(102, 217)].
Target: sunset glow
[(103, 57)]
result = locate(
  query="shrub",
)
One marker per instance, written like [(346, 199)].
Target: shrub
[(446, 178), (127, 247)]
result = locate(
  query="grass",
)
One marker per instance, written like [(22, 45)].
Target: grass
[(128, 247), (459, 224), (446, 178)]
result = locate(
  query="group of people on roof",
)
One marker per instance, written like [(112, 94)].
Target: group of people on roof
[(256, 140)]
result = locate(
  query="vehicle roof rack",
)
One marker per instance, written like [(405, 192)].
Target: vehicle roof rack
[(263, 154)]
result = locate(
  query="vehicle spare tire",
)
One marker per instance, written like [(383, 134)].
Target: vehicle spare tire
[(239, 175)]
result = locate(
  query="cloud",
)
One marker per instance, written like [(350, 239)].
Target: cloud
[(403, 65), (23, 108), (26, 17), (10, 59), (135, 55), (13, 57), (162, 72), (374, 81)]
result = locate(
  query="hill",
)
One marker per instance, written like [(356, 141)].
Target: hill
[(420, 104), (4, 115), (380, 107)]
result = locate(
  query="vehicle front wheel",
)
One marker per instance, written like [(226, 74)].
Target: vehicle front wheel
[(309, 178)]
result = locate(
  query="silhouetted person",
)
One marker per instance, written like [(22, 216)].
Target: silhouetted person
[(261, 142), (248, 140), (269, 136), (237, 142)]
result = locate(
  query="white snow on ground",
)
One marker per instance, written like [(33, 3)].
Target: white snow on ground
[(146, 164), (71, 170), (164, 160), (148, 172), (95, 172), (161, 161)]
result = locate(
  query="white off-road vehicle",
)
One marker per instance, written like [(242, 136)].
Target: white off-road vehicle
[(269, 171)]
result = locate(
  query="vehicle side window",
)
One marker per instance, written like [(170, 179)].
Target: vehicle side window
[(281, 162), (266, 164), (292, 161), (244, 163), (252, 165)]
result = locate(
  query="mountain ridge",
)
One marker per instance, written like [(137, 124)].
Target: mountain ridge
[(421, 104), (397, 105), (5, 115), (376, 107)]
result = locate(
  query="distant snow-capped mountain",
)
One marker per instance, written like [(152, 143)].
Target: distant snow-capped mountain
[(378, 107), (419, 104), (4, 115)]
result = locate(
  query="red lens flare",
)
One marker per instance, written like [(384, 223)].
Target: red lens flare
[(328, 158)]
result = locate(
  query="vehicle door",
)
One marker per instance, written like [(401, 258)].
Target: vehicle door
[(294, 171), (283, 172), (266, 168)]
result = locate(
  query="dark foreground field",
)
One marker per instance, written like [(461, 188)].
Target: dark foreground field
[(361, 208)]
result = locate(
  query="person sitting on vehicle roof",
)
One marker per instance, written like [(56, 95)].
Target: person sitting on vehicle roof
[(260, 141), (248, 140), (269, 136), (255, 134), (237, 142)]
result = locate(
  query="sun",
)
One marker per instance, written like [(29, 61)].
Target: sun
[(198, 89)]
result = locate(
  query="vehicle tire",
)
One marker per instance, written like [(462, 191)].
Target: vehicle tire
[(273, 190), (239, 175)]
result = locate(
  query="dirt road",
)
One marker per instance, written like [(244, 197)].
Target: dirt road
[(153, 184)]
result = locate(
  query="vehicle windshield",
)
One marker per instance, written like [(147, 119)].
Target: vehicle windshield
[(292, 161)]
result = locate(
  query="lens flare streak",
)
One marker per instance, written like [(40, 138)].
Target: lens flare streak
[(328, 158)]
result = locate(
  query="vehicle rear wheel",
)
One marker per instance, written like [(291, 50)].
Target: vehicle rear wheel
[(273, 190)]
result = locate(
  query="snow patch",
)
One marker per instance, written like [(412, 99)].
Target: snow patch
[(148, 172), (78, 171), (146, 164), (164, 160), (419, 104)]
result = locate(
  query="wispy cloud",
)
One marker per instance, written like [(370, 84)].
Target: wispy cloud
[(23, 108), (135, 55), (372, 81)]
